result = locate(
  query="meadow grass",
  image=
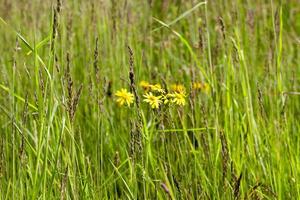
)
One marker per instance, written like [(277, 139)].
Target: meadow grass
[(64, 136)]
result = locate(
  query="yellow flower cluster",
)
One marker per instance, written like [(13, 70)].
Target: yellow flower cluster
[(155, 95), (149, 87), (201, 87)]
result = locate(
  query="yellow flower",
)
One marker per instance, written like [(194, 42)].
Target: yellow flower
[(157, 88), (124, 97), (176, 97), (205, 87), (197, 86), (201, 86), (168, 98), (179, 98), (154, 101), (179, 88), (145, 85)]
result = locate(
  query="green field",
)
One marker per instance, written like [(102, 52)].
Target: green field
[(149, 99)]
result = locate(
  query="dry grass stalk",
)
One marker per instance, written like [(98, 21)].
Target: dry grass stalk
[(177, 185), (222, 26), (54, 29), (204, 135), (260, 102), (69, 29), (69, 83), (251, 20), (135, 142), (93, 16), (132, 143), (225, 154), (56, 63), (200, 40), (136, 145), (76, 100), (63, 184), (131, 78), (118, 189), (58, 6), (56, 12), (117, 159), (42, 83), (137, 125), (236, 192), (72, 100), (114, 16), (91, 85), (96, 60), (24, 121)]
